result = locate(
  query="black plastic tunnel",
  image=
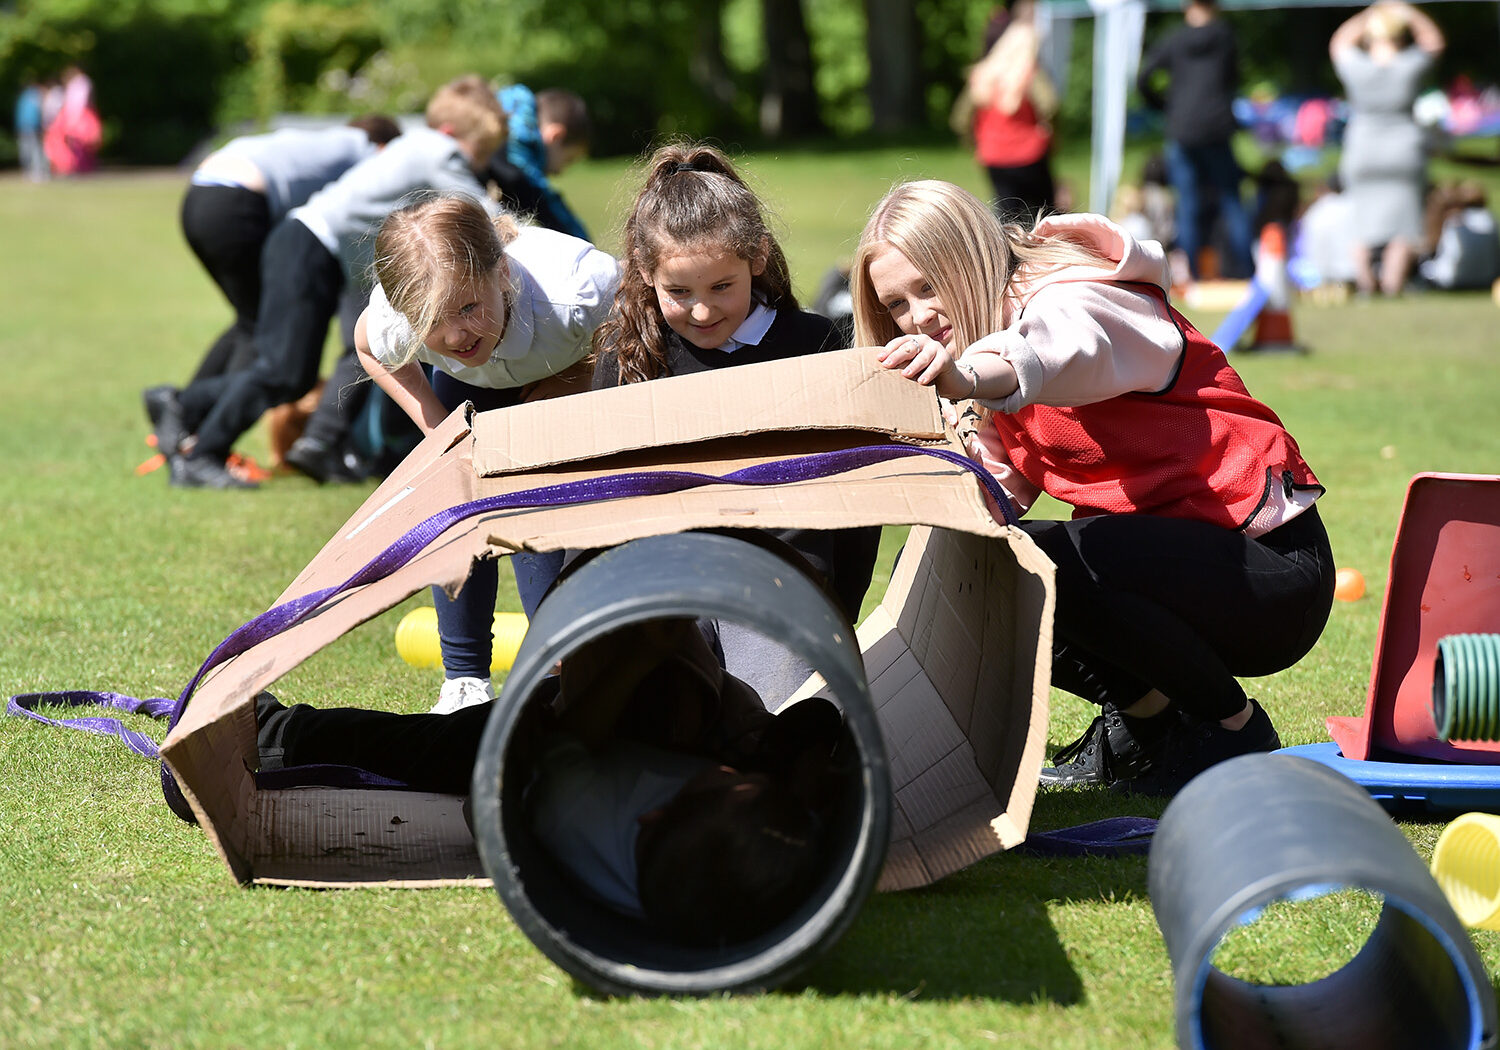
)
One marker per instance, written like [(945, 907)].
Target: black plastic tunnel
[(1262, 828), (695, 575)]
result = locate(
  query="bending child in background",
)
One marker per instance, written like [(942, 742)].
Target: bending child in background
[(548, 132), (500, 313), (704, 286), (1195, 552), (236, 197), (309, 260)]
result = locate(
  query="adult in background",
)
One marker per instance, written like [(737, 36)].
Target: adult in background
[(1014, 102), (1201, 61), (73, 136), (29, 133), (1380, 55)]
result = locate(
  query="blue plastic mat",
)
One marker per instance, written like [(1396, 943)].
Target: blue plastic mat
[(1436, 787)]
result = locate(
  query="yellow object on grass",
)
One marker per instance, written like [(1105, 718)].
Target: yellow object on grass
[(1466, 864), (417, 638)]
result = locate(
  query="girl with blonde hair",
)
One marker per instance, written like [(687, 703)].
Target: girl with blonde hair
[(1195, 553), (499, 314)]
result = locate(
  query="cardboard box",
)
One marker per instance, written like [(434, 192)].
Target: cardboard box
[(958, 654)]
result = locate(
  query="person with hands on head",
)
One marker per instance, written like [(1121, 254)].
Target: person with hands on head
[(1381, 55), (1195, 553)]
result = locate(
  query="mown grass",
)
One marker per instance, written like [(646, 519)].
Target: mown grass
[(123, 929)]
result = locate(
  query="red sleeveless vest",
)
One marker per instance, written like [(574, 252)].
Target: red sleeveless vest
[(1202, 448)]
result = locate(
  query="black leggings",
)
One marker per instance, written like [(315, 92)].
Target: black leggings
[(426, 752), (1020, 193), (301, 283), (226, 227), (1181, 606)]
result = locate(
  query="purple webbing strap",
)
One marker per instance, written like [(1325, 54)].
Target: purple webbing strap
[(322, 775), (1110, 837), (607, 487), (25, 705)]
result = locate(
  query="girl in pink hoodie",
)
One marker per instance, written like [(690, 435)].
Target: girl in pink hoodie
[(1195, 553)]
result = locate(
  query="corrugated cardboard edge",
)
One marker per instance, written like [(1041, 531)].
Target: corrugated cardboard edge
[(959, 656), (212, 749), (821, 392)]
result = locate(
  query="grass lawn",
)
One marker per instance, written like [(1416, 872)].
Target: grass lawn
[(123, 928)]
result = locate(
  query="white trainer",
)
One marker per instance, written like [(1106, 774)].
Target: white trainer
[(459, 693)]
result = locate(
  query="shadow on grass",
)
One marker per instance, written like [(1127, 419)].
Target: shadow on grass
[(985, 932)]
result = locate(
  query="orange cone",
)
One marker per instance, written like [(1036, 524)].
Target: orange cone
[(1273, 325)]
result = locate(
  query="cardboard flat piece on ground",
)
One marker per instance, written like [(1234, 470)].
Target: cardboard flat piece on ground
[(958, 652), (1444, 579)]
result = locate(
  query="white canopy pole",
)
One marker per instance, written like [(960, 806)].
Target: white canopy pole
[(1119, 29)]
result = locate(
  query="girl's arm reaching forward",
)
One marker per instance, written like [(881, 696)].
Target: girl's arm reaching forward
[(407, 385)]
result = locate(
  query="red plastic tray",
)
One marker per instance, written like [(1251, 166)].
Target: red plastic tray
[(1444, 579)]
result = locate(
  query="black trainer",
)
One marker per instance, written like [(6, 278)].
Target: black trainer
[(205, 472), (1194, 746), (325, 464), (156, 398), (165, 413), (1107, 752)]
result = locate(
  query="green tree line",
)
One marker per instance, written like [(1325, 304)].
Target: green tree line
[(172, 74)]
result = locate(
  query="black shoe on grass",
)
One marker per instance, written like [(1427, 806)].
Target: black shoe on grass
[(324, 464), (1109, 750), (156, 399), (1194, 746), (165, 413), (205, 472)]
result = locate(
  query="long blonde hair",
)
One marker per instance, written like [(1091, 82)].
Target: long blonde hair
[(957, 243), (692, 197), (430, 245)]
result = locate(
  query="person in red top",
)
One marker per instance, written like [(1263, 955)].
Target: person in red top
[(1195, 553), (1014, 100)]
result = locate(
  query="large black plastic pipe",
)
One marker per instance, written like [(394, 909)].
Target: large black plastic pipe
[(1263, 828), (680, 575)]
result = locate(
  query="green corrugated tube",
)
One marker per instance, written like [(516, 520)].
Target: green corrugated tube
[(1466, 687)]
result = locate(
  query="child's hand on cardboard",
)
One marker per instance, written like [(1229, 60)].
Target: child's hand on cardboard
[(927, 362)]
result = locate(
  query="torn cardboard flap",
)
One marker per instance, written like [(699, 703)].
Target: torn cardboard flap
[(831, 391), (958, 653)]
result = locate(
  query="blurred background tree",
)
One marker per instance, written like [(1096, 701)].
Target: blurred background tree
[(171, 76)]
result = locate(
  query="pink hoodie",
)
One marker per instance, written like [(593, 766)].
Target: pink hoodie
[(1081, 335)]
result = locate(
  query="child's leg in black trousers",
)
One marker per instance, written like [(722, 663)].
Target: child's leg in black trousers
[(426, 752), (1184, 607)]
